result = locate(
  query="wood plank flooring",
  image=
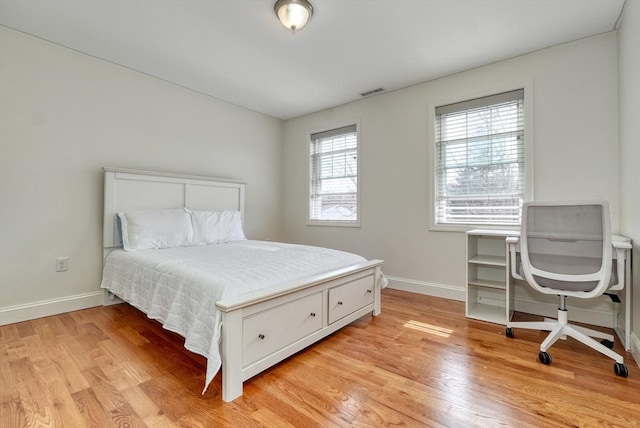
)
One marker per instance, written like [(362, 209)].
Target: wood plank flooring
[(421, 363)]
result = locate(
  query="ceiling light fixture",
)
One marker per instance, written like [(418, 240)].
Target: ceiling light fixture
[(293, 14)]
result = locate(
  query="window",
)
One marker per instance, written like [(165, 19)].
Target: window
[(334, 177), (480, 161)]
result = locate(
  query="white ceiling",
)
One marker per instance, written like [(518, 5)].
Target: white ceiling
[(237, 51)]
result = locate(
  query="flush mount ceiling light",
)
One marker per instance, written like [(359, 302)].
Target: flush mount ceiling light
[(293, 14)]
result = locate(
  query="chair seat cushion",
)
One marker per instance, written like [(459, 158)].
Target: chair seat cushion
[(572, 286)]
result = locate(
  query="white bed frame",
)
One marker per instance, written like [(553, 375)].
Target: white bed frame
[(262, 328)]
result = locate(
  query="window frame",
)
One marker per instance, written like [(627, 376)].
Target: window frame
[(528, 153), (325, 128)]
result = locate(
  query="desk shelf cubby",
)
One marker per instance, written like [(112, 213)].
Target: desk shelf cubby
[(487, 276)]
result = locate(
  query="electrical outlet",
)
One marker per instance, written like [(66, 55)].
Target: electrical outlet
[(62, 264)]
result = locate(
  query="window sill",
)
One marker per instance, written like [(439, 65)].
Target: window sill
[(333, 223), (463, 228)]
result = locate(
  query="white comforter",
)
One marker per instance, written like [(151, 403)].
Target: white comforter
[(180, 286)]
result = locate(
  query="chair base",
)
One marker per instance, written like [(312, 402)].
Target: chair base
[(560, 329)]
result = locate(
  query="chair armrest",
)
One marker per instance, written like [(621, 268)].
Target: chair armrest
[(514, 244), (621, 254)]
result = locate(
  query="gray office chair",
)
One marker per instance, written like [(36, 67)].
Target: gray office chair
[(565, 249)]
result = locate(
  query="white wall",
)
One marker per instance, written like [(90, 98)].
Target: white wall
[(64, 116), (629, 106), (575, 157)]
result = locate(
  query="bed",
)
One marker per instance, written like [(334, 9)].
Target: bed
[(278, 300)]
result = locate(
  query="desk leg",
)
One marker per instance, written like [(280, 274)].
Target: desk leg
[(624, 332), (509, 285), (627, 303)]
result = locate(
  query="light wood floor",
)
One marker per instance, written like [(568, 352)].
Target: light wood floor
[(421, 363)]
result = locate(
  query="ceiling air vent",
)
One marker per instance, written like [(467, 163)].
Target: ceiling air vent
[(371, 92)]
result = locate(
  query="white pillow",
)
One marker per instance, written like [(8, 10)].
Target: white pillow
[(215, 227), (144, 230)]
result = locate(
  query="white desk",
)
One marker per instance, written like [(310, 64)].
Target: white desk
[(622, 311)]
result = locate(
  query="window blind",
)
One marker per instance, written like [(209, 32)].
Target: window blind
[(480, 161), (334, 175)]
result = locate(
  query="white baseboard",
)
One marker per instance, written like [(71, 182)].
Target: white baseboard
[(594, 316), (45, 308), (427, 288), (19, 313)]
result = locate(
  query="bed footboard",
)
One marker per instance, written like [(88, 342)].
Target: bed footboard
[(261, 329)]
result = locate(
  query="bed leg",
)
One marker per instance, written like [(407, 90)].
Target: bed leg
[(108, 298), (377, 298), (231, 355)]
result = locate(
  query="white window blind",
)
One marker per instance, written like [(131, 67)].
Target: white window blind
[(480, 160), (334, 176)]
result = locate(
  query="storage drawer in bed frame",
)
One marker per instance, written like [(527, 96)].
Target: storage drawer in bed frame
[(269, 331), (348, 298)]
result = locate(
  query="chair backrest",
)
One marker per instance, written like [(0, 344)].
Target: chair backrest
[(565, 247)]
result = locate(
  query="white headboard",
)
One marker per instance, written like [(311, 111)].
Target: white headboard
[(129, 190)]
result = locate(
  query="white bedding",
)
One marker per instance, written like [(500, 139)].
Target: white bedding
[(180, 286)]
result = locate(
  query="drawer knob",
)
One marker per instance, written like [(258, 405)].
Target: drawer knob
[(313, 314), (340, 303), (261, 336), (368, 291)]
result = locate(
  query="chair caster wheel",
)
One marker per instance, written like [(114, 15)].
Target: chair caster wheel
[(620, 370), (509, 333), (607, 343), (544, 358)]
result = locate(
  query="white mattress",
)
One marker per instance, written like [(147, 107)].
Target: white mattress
[(180, 286)]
